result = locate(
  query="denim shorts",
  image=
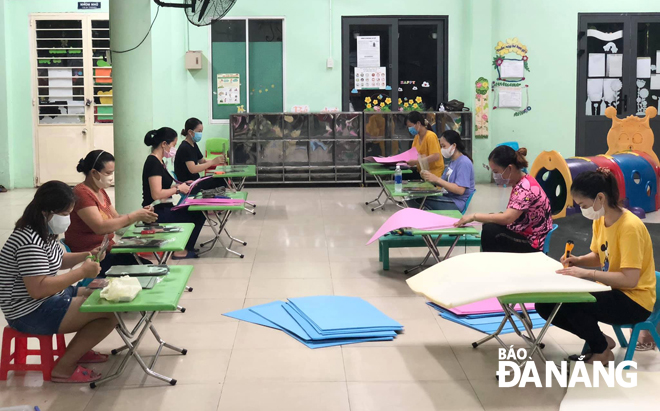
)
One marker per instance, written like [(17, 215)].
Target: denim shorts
[(46, 319)]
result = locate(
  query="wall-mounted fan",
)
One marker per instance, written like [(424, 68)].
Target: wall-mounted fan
[(202, 12)]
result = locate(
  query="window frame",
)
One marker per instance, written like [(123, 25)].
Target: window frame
[(246, 82)]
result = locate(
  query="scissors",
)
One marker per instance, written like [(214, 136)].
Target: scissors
[(102, 249)]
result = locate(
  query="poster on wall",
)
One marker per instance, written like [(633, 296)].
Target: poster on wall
[(229, 89), (368, 51), (370, 78), (481, 108)]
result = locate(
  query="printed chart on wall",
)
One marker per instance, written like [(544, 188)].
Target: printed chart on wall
[(605, 48), (229, 89), (511, 62), (368, 51), (370, 78)]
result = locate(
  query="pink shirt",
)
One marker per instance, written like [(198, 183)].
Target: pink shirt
[(536, 220)]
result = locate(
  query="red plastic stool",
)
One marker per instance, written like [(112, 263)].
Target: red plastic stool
[(21, 351)]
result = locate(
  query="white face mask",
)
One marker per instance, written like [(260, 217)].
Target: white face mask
[(58, 224), (448, 152), (105, 181), (592, 214)]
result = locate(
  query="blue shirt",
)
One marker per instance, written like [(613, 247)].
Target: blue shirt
[(461, 173)]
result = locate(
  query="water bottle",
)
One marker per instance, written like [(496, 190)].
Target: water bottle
[(398, 180)]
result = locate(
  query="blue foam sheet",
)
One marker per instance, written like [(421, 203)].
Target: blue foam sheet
[(470, 316), (488, 325), (275, 313), (251, 317), (332, 313), (315, 335)]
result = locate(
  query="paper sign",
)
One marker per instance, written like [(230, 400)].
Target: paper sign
[(615, 65), (510, 97), (596, 64), (89, 5), (300, 109), (368, 51), (229, 89), (655, 82), (595, 89), (643, 67), (370, 78), (512, 69)]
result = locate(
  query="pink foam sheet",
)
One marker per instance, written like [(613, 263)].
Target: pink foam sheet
[(404, 157), (414, 218), (488, 306)]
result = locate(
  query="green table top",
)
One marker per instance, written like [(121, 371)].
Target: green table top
[(239, 195), (178, 242), (376, 169), (448, 231), (426, 185), (247, 170), (548, 298), (163, 297)]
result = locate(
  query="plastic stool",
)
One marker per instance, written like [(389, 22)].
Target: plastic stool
[(21, 352)]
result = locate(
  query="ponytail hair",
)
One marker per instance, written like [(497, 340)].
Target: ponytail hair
[(504, 156), (154, 138), (417, 117), (453, 137), (53, 197), (590, 183), (191, 124), (95, 160)]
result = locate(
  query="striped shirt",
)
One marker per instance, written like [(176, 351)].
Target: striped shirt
[(25, 255)]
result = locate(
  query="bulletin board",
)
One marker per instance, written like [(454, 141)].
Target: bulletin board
[(228, 57)]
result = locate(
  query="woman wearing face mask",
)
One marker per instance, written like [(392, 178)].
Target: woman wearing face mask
[(158, 185), (427, 144), (523, 226), (457, 179), (189, 162), (622, 253), (36, 300), (94, 216)]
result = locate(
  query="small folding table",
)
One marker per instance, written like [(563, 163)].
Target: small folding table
[(378, 171), (163, 297), (222, 214), (508, 303), (235, 176), (175, 241), (433, 244), (406, 193)]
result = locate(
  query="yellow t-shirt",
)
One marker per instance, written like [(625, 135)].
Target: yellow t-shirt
[(627, 244), (430, 145)]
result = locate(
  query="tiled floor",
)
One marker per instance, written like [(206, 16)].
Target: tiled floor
[(304, 242)]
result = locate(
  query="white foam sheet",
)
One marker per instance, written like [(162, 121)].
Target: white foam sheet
[(645, 396), (468, 278)]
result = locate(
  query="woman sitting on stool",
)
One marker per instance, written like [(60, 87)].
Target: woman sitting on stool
[(158, 185), (36, 300), (457, 179), (93, 216), (523, 226), (621, 250)]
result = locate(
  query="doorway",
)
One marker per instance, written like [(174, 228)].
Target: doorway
[(618, 66), (397, 61), (72, 92)]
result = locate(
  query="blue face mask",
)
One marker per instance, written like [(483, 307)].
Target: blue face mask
[(412, 131), (197, 137)]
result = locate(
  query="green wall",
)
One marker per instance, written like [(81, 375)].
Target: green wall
[(549, 29)]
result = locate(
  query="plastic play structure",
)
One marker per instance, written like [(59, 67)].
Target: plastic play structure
[(630, 157)]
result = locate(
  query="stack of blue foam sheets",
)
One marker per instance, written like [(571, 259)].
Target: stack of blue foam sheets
[(323, 321), (487, 322)]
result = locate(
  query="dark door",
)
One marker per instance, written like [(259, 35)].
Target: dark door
[(413, 52), (617, 60)]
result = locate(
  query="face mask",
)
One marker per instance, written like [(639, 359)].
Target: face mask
[(105, 181), (412, 131), (169, 153), (197, 137), (500, 180), (59, 224), (592, 214), (448, 152)]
